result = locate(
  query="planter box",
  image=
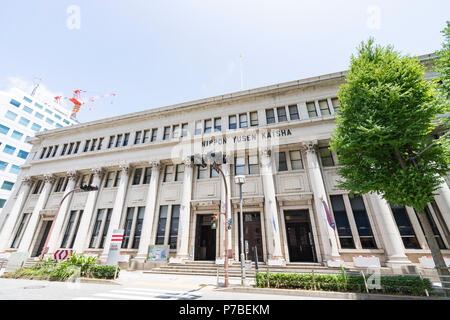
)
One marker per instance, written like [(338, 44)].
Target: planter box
[(366, 262), (428, 262)]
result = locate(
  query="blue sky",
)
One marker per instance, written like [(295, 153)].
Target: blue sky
[(157, 53)]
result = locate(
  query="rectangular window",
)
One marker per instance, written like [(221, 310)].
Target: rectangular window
[(69, 226), (76, 228), (64, 149), (49, 121), (137, 137), (49, 152), (100, 142), (43, 152), (270, 116), (154, 134), (342, 223), (127, 227), (14, 169), (336, 103), (4, 129), (119, 140), (280, 161), (86, 145), (180, 172), (77, 146), (11, 115), (138, 227), (243, 120), (404, 227), (147, 175), (161, 230), (137, 176), (253, 165), (96, 229), (24, 121), (9, 149), (166, 133), (184, 130), (59, 184), (362, 223), (173, 234), (202, 172), (7, 185), (293, 112), (20, 229), (213, 173), (232, 122), (27, 99), (48, 111), (17, 135), (311, 107), (3, 165), (239, 166), (324, 109), (109, 179), (217, 124), (168, 175), (39, 115), (296, 160), (105, 228), (117, 178), (94, 142), (15, 103), (208, 126), (254, 119), (326, 157), (111, 141), (176, 131), (434, 228), (281, 112), (35, 127), (2, 203), (198, 128), (38, 105), (37, 187), (126, 137), (146, 137)]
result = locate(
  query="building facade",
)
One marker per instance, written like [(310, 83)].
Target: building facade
[(21, 116), (277, 136)]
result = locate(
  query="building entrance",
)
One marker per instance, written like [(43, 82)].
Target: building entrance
[(205, 238), (252, 235), (45, 229), (299, 236)]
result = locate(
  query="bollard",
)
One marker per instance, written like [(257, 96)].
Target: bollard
[(256, 259)]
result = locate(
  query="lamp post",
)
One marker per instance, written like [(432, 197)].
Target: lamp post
[(240, 180)]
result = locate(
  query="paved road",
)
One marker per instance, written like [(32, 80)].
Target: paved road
[(131, 286)]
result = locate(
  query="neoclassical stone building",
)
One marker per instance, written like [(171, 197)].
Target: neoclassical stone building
[(277, 136)]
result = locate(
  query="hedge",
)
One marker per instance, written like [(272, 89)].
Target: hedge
[(402, 285)]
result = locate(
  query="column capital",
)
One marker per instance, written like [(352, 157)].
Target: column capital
[(310, 146), (155, 164), (98, 172), (49, 178), (28, 180), (72, 175), (188, 162), (265, 155), (125, 169)]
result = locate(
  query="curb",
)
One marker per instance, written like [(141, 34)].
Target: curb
[(99, 281), (325, 294)]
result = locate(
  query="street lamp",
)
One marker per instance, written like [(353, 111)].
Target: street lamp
[(240, 180)]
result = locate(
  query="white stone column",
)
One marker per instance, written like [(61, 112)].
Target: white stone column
[(185, 214), (6, 235), (150, 208), (443, 201), (327, 235), (392, 241), (55, 237), (271, 211), (117, 209), (34, 219), (81, 238)]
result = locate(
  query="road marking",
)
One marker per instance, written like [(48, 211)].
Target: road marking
[(141, 294)]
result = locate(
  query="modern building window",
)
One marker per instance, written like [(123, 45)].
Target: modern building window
[(324, 109), (15, 103), (49, 121), (270, 116), (161, 229), (311, 107), (20, 230), (326, 157), (137, 176), (2, 203), (254, 119), (281, 112), (404, 226), (3, 165), (253, 165), (154, 134), (27, 109), (208, 126), (39, 115), (17, 135), (184, 130), (296, 160), (243, 120), (198, 128), (166, 134), (293, 112), (7, 185), (217, 124), (4, 129), (168, 175), (362, 223), (24, 121), (173, 234), (179, 176), (27, 99), (146, 137), (9, 149), (48, 111), (280, 161), (38, 105), (239, 166), (14, 169), (342, 223), (232, 122), (11, 115), (147, 175), (126, 137)]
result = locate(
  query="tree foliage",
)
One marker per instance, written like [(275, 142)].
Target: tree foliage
[(442, 67), (385, 117)]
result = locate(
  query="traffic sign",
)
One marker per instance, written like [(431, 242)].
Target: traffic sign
[(62, 255)]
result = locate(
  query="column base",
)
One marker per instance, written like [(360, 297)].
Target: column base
[(178, 260), (276, 261), (335, 263), (398, 263)]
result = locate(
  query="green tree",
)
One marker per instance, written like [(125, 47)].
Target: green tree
[(387, 113)]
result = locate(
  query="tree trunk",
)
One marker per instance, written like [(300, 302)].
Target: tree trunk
[(435, 251)]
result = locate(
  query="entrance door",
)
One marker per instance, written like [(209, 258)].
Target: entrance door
[(41, 240), (205, 238), (299, 236), (252, 234)]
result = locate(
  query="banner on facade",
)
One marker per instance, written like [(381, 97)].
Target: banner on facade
[(158, 253), (114, 247), (329, 218)]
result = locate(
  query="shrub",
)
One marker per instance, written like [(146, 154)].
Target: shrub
[(103, 271), (404, 285)]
